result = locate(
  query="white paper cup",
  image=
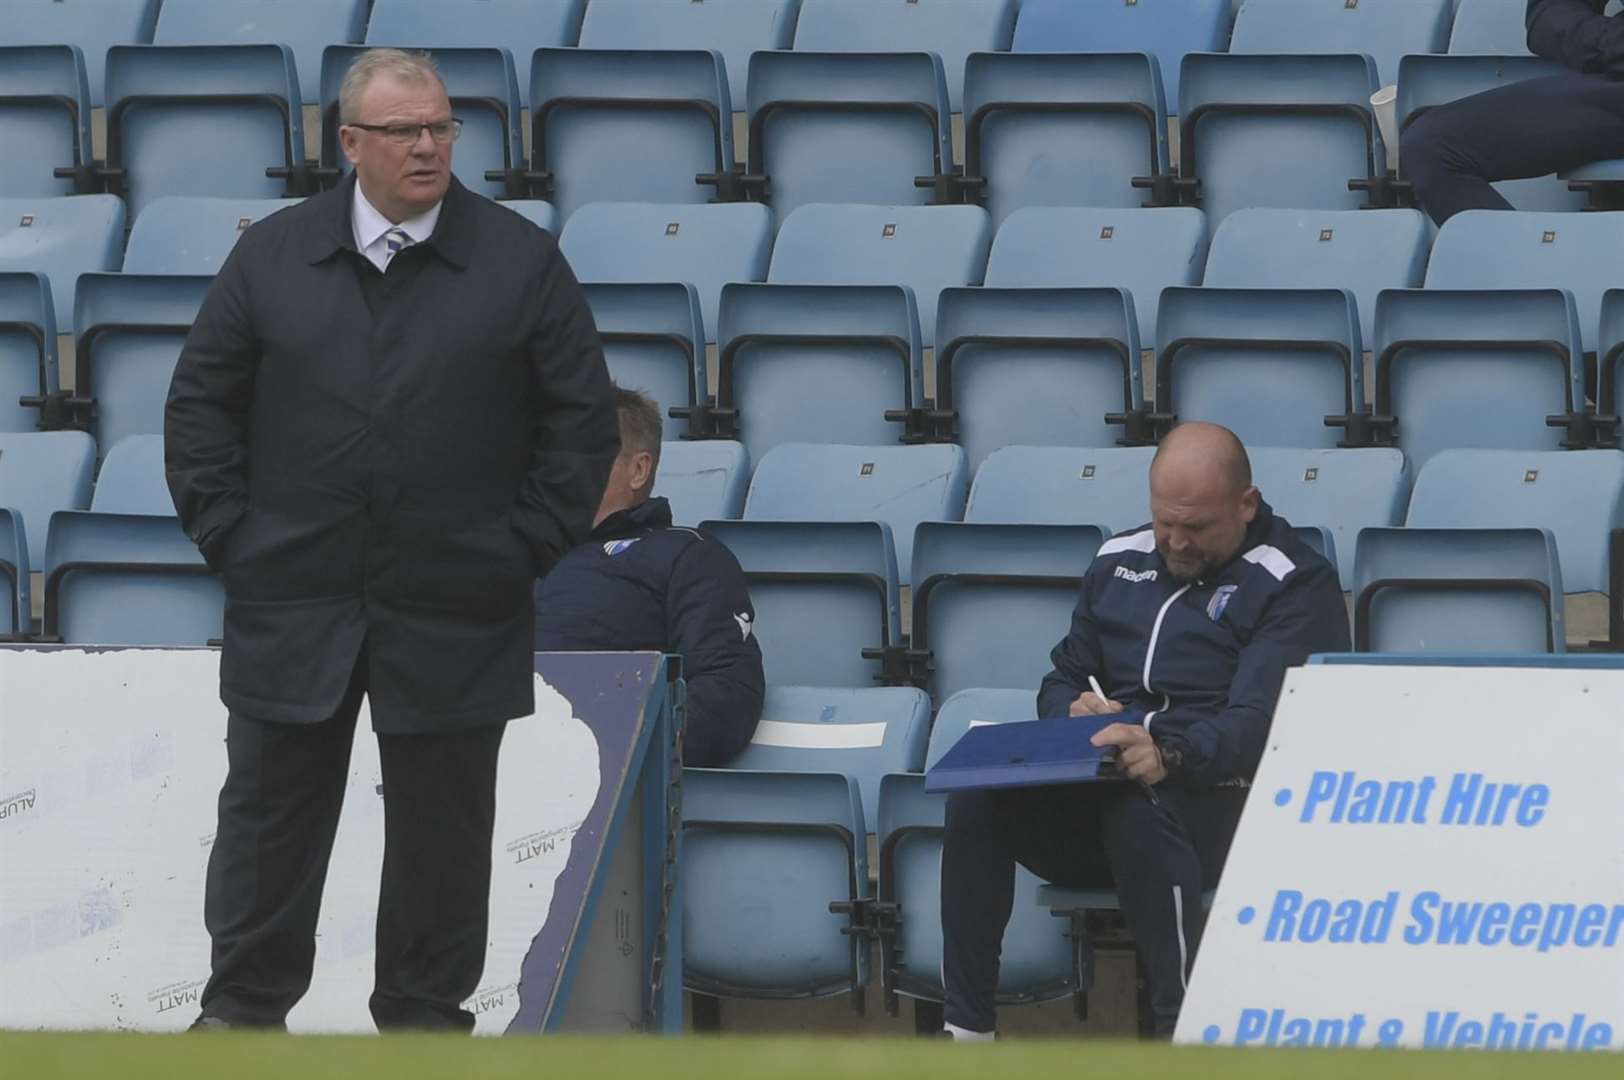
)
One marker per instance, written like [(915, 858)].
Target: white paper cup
[(1384, 102)]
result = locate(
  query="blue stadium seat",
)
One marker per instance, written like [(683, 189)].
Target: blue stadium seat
[(1052, 485), (28, 354), (1035, 366), (969, 577), (1339, 491), (130, 329), (520, 26), (44, 120), (61, 238), (1457, 591), (1277, 130), (42, 472), (1142, 251), (202, 120), (872, 729), (1426, 81), (1577, 497), (653, 342), (538, 212), (305, 26), (1165, 28), (192, 234), (1489, 28), (735, 28), (927, 250), (484, 91), (830, 350), (1485, 249), (952, 29), (92, 25), (16, 590), (703, 480), (848, 128), (1269, 364), (630, 126), (703, 245), (767, 855), (1381, 29), (824, 592), (1609, 384), (1036, 962), (898, 485), (1363, 251), (1476, 369), (1061, 129), (132, 479), (121, 579), (801, 363)]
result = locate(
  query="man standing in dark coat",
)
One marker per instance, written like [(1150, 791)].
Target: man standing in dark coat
[(390, 417), (1454, 152)]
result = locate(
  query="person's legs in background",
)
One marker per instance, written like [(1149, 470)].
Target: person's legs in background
[(279, 811), (1049, 830), (1162, 856), (1453, 153), (439, 793)]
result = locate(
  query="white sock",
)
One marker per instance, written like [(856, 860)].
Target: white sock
[(963, 1035)]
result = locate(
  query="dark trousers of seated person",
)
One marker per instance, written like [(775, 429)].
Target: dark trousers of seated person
[(279, 812), (1454, 152), (1158, 857)]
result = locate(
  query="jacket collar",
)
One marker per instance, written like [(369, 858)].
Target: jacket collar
[(331, 231), (644, 517)]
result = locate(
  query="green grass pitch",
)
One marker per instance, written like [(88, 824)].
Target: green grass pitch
[(232, 1056)]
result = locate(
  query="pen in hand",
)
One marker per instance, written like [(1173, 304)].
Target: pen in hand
[(1150, 792)]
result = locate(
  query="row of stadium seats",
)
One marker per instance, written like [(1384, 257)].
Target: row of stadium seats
[(822, 332), (736, 28), (116, 567), (828, 535), (1259, 127)]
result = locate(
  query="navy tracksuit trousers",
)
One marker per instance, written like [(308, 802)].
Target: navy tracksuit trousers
[(1158, 856), (1452, 153)]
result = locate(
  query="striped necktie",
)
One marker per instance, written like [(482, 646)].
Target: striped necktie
[(396, 241)]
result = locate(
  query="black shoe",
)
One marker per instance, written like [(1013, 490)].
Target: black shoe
[(210, 1023)]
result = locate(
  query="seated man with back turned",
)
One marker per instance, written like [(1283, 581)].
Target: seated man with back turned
[(639, 583), (1192, 621)]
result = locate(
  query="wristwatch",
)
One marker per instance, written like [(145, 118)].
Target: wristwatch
[(1172, 755)]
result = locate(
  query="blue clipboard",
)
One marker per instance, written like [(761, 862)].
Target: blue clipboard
[(1032, 753)]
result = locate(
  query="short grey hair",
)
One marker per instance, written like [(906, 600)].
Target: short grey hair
[(411, 67), (640, 426)]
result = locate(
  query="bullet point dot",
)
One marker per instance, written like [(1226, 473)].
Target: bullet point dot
[(1245, 915), (1282, 797), (1211, 1035)]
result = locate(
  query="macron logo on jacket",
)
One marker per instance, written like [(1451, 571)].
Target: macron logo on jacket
[(1135, 576)]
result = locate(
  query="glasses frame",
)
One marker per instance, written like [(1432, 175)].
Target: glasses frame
[(384, 129)]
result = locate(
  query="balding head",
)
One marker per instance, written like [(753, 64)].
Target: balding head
[(1201, 499)]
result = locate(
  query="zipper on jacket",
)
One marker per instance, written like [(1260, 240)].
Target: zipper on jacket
[(1156, 632)]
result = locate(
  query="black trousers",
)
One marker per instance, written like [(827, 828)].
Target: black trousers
[(279, 812), (1454, 152), (1158, 856)]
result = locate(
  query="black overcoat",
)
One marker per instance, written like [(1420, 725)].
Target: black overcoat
[(388, 459)]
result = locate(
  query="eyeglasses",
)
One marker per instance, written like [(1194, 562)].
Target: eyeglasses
[(441, 131)]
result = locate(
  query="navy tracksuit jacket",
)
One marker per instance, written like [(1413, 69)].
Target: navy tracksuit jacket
[(1204, 661), (639, 583), (1453, 153)]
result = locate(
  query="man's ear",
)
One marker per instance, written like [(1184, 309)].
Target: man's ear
[(349, 140), (1249, 502), (642, 473)]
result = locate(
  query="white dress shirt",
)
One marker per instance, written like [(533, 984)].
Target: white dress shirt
[(369, 227)]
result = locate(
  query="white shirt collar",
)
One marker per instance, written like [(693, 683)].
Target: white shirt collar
[(369, 225)]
